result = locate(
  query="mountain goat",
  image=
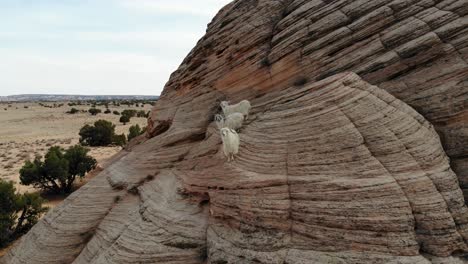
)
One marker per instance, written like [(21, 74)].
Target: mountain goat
[(230, 142), (242, 107), (232, 121)]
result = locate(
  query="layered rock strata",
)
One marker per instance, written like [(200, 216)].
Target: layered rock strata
[(336, 171), (335, 163), (415, 49)]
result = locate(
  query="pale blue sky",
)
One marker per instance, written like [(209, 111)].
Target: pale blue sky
[(97, 46)]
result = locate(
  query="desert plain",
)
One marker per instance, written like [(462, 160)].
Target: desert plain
[(29, 129)]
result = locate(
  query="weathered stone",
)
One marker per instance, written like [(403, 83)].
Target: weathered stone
[(340, 170)]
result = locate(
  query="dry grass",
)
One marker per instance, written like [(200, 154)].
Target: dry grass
[(27, 132)]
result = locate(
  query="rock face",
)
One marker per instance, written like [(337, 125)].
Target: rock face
[(335, 165)]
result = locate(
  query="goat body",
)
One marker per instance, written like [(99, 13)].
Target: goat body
[(231, 143), (242, 107), (232, 121)]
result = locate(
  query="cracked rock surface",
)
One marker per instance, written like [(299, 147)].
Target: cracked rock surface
[(354, 151)]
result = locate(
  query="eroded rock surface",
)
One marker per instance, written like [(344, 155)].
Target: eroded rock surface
[(332, 167), (335, 171), (415, 49)]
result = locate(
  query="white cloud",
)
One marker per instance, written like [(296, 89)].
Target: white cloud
[(98, 47), (148, 36), (178, 41), (83, 73), (187, 7)]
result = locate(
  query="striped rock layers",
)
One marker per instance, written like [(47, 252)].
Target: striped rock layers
[(335, 165)]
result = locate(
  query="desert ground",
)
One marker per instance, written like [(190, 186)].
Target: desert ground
[(27, 132)]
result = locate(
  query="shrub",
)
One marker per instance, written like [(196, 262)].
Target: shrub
[(116, 112), (119, 140), (107, 111), (101, 134), (94, 111), (32, 208), (73, 111), (124, 119), (142, 113), (29, 208), (59, 170), (134, 131), (129, 112), (98, 135), (8, 211)]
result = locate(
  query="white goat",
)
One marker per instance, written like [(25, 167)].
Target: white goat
[(242, 107), (230, 142), (232, 121)]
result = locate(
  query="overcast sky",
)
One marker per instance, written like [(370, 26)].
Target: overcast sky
[(97, 46)]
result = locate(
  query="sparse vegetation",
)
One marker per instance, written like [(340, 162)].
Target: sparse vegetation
[(129, 112), (59, 170), (134, 131), (18, 212), (49, 126), (124, 119), (94, 111), (101, 134), (119, 140), (55, 105), (73, 111), (98, 135), (142, 113)]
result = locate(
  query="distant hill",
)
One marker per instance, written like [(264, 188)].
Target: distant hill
[(67, 97)]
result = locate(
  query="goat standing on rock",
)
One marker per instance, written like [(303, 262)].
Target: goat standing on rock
[(234, 116), (243, 107), (232, 121), (230, 142)]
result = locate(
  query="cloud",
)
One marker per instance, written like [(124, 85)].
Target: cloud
[(97, 47), (186, 7), (172, 40), (83, 73)]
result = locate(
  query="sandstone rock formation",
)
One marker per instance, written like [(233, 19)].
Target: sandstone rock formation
[(335, 165)]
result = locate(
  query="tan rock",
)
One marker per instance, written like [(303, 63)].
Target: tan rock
[(333, 171)]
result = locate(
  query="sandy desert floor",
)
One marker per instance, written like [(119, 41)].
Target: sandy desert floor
[(27, 132)]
